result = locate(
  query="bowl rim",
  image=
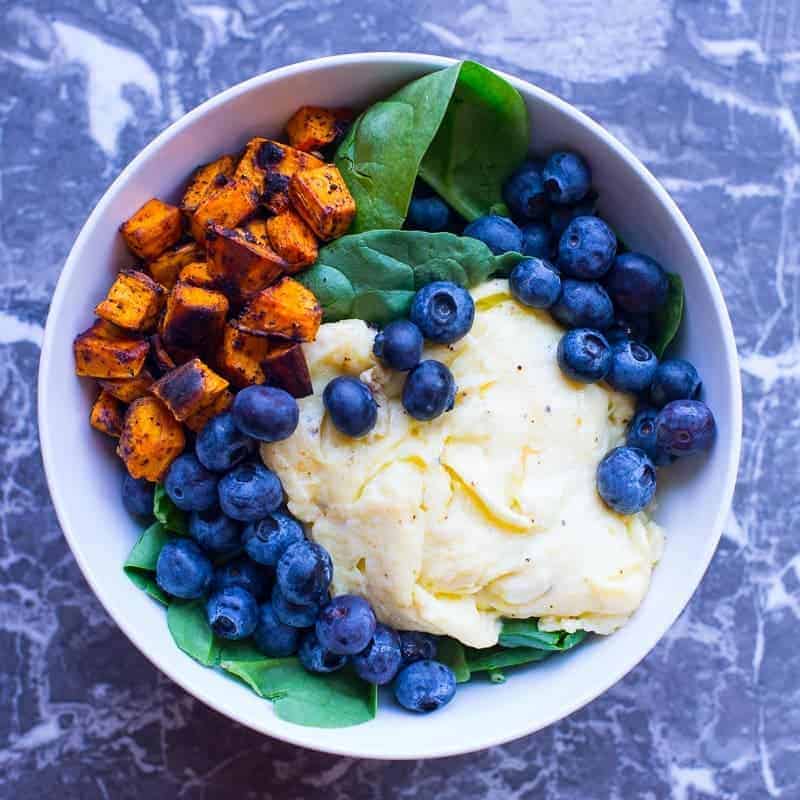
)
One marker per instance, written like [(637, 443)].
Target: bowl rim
[(303, 736)]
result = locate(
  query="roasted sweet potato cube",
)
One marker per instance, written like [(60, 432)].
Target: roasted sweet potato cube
[(193, 320), (133, 301), (166, 268), (128, 389), (197, 274), (240, 355), (292, 239), (151, 439), (313, 128), (105, 351), (286, 367), (322, 199), (161, 361), (107, 414), (152, 229), (189, 388), (228, 206), (198, 420), (286, 310), (207, 179)]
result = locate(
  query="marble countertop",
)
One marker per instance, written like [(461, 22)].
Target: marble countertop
[(707, 94)]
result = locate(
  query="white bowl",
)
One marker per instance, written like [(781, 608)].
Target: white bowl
[(84, 475)]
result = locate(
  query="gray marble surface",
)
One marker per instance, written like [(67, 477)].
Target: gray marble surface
[(707, 93)]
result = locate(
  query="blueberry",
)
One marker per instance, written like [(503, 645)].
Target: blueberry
[(535, 283), (266, 540), (586, 248), (399, 345), (221, 445), (351, 406), (675, 379), (245, 573), (584, 355), (183, 569), (429, 390), (443, 311), (525, 194), (315, 658), (428, 214), (642, 434), (232, 612), (629, 326), (137, 496), (274, 638), (213, 531), (560, 218), (626, 480), (190, 485), (296, 615), (416, 646), (304, 573), (567, 177), (250, 492), (499, 234), (632, 367), (425, 686), (379, 662), (637, 284), (583, 304), (537, 240), (345, 624), (265, 413), (684, 427)]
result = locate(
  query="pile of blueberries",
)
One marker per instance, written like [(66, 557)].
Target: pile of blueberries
[(259, 574), (606, 299)]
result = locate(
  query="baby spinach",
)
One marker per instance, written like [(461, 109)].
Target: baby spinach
[(526, 633), (191, 632), (496, 658), (452, 653), (168, 514), (667, 320), (140, 565)]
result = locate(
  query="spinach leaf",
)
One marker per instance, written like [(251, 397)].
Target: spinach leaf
[(147, 583), (667, 320), (190, 629), (495, 658), (526, 633), (452, 653), (496, 676), (168, 514), (140, 565)]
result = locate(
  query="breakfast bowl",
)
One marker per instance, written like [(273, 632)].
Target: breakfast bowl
[(84, 476)]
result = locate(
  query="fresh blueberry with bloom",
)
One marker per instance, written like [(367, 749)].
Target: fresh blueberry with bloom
[(351, 406), (315, 658), (214, 531), (567, 177), (232, 612), (183, 569), (296, 615), (583, 304), (629, 326), (498, 233), (417, 646), (267, 539), (137, 496), (430, 214), (304, 573), (637, 284), (245, 573), (399, 345), (525, 194), (265, 413), (632, 367), (425, 686), (221, 445), (675, 379), (584, 355), (429, 390), (642, 434), (535, 282), (586, 248), (626, 480), (272, 637), (250, 492), (537, 240), (443, 311), (685, 427), (381, 659), (190, 485), (345, 625)]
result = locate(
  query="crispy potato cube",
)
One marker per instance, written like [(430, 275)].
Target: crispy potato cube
[(292, 239), (286, 367), (152, 229), (133, 301), (161, 360), (312, 127), (228, 206), (193, 320), (188, 388), (207, 179), (128, 389), (198, 420), (240, 355), (198, 274), (107, 414), (286, 310), (166, 268), (105, 351), (151, 439), (322, 199)]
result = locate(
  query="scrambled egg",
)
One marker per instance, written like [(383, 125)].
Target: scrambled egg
[(489, 511)]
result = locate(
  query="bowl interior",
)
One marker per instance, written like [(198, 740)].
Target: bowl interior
[(84, 473)]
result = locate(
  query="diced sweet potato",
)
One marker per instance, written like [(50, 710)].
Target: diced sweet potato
[(133, 301), (161, 360), (197, 274), (105, 351), (292, 239), (228, 206), (128, 389), (151, 439), (240, 355), (107, 414), (166, 268), (287, 310), (152, 229), (207, 179), (286, 367), (312, 128), (188, 388), (198, 420), (322, 199), (193, 321)]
